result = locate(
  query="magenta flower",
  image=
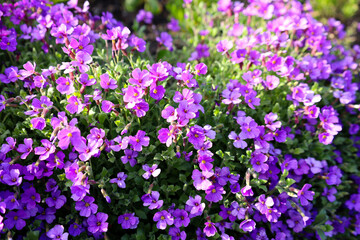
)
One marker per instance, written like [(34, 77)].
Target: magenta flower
[(326, 138), (38, 123), (120, 180), (200, 69), (82, 60), (140, 78), (224, 46), (157, 92), (140, 108), (45, 151), (97, 223), (29, 70), (25, 148), (133, 94), (75, 105), (163, 218), (106, 82), (139, 140), (272, 82), (65, 85), (167, 135), (107, 106), (68, 135), (128, 221), (84, 80)]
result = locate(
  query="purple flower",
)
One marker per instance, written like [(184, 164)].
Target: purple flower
[(85, 81), (247, 191), (128, 221), (270, 121), (120, 180), (38, 123), (264, 203), (75, 105), (68, 135), (163, 218), (252, 100), (330, 194), (137, 43), (167, 136), (157, 92), (86, 206), (305, 195), (249, 129), (15, 219), (238, 143), (326, 138), (258, 163), (247, 225), (139, 140), (133, 94), (196, 136), (166, 40), (201, 181), (150, 171), (224, 46), (107, 106), (210, 229), (195, 206), (130, 156), (29, 70), (45, 151), (181, 218), (214, 193), (56, 200), (82, 58), (296, 221), (12, 177), (57, 232), (106, 82), (30, 197), (25, 148), (97, 223), (173, 25), (152, 200), (65, 85), (75, 229), (200, 68), (177, 234)]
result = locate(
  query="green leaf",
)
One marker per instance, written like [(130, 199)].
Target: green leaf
[(141, 214), (321, 218)]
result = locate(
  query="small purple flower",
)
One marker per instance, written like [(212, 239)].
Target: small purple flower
[(163, 218), (330, 194), (177, 234), (247, 225), (15, 219), (258, 163), (107, 106), (97, 223), (224, 46), (181, 218), (106, 82), (195, 206), (12, 177), (57, 232), (38, 123), (139, 140), (150, 171), (130, 156), (201, 181), (152, 200), (120, 180), (82, 59), (238, 143), (45, 151), (75, 105), (166, 40), (210, 229), (30, 197), (128, 221), (86, 206), (173, 25), (65, 85), (305, 195), (214, 193), (25, 148), (56, 200)]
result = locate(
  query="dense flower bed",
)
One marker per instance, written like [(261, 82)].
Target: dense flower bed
[(236, 121)]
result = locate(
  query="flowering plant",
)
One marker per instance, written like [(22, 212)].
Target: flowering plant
[(249, 129)]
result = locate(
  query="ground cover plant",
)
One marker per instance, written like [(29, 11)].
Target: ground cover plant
[(233, 121)]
